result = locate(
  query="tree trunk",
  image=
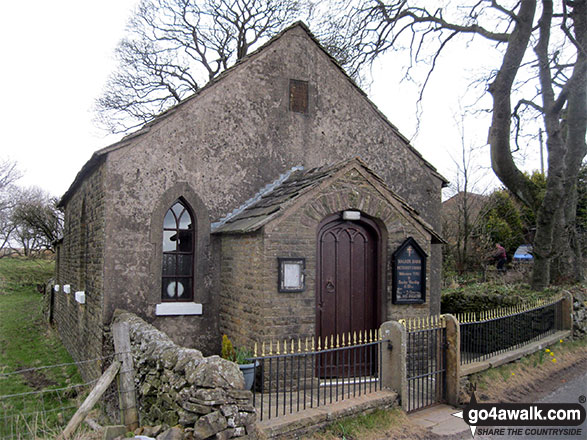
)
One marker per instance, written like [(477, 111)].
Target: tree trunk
[(576, 130), (502, 160), (569, 258)]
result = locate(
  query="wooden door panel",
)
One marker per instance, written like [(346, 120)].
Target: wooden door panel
[(328, 284), (343, 288), (358, 285), (347, 285)]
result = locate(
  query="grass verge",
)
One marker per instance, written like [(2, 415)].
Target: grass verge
[(526, 376), (374, 425), (29, 401)]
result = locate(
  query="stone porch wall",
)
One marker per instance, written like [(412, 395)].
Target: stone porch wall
[(295, 235), (252, 309), (177, 385), (242, 299)]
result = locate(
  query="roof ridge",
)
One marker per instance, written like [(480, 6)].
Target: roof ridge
[(127, 140), (253, 214)]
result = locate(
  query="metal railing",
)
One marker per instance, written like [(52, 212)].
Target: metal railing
[(490, 333), (291, 376), (426, 361)]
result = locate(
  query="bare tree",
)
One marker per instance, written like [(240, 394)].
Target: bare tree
[(549, 83), (9, 174), (36, 220), (462, 211), (173, 47)]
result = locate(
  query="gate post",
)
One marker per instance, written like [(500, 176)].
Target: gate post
[(393, 359), (567, 312), (453, 359)]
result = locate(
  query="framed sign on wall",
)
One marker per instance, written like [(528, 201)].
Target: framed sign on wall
[(409, 273), (291, 274)]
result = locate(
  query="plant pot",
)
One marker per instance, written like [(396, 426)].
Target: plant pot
[(248, 371)]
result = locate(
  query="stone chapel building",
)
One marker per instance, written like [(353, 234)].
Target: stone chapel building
[(276, 202)]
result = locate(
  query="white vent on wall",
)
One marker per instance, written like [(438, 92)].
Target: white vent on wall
[(67, 288), (80, 297)]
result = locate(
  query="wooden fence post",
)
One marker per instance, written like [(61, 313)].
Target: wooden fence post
[(453, 359), (126, 377), (99, 389)]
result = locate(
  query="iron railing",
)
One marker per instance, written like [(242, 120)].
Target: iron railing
[(490, 333), (426, 361), (292, 376)]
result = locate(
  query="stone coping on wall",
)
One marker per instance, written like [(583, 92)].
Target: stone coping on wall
[(510, 356), (312, 419), (177, 385)]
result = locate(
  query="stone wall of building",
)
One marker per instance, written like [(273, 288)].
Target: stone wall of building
[(242, 297), (284, 315), (133, 267), (216, 150), (236, 136), (79, 264), (178, 385)]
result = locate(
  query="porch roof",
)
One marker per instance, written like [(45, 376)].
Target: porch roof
[(275, 199)]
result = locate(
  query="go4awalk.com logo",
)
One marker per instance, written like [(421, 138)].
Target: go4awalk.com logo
[(508, 418)]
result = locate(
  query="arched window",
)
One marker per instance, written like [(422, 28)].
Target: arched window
[(178, 253)]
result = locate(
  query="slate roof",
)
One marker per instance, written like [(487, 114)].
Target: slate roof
[(265, 207), (99, 156)]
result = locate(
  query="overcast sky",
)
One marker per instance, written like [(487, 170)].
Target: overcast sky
[(57, 55)]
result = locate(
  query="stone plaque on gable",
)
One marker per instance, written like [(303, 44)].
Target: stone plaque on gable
[(409, 273)]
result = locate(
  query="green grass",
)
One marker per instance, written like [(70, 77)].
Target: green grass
[(527, 364), (18, 273), (372, 423), (27, 342)]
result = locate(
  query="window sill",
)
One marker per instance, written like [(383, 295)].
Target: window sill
[(178, 308)]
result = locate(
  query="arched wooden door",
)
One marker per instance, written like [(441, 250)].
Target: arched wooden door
[(347, 281)]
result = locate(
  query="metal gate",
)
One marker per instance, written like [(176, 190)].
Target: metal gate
[(426, 361)]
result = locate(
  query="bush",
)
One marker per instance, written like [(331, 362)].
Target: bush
[(461, 302), (486, 296), (239, 355)]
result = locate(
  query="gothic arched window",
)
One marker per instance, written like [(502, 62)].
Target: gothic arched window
[(178, 253)]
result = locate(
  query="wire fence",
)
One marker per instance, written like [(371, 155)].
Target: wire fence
[(37, 403)]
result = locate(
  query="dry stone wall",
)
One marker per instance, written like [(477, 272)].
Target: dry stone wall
[(177, 385)]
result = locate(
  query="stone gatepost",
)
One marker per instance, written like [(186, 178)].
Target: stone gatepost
[(567, 312), (453, 359), (394, 355)]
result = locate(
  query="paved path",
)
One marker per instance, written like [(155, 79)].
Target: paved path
[(440, 421), (567, 392)]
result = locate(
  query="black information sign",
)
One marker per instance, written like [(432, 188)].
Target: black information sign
[(409, 273)]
